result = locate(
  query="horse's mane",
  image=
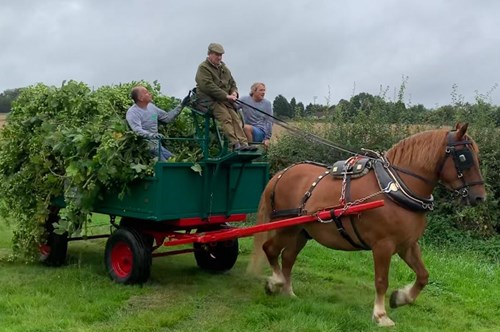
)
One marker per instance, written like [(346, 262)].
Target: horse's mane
[(422, 150)]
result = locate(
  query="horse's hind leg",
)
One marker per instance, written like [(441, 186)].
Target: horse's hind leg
[(413, 257), (382, 254), (273, 249), (288, 258)]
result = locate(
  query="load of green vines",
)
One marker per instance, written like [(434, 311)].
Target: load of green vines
[(73, 143)]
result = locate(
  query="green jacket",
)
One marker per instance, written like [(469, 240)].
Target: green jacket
[(214, 83)]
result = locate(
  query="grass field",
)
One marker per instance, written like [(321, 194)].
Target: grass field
[(335, 293)]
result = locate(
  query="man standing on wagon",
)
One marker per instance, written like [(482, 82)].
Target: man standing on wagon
[(216, 91)]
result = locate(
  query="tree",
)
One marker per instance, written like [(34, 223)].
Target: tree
[(315, 110), (417, 113), (6, 99), (293, 105), (281, 107), (300, 109)]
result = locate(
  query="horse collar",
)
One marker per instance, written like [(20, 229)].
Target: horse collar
[(394, 187)]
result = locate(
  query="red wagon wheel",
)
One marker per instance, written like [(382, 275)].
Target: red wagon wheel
[(54, 250), (128, 257)]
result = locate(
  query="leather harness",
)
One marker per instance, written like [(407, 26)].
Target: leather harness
[(389, 182)]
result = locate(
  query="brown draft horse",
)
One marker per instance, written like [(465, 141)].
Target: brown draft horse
[(420, 161)]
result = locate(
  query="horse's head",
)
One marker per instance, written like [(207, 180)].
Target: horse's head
[(459, 170)]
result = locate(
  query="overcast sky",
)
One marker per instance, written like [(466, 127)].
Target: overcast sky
[(311, 50)]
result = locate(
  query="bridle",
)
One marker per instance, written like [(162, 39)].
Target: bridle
[(463, 160)]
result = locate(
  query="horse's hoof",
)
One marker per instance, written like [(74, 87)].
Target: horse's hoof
[(385, 322), (400, 298), (393, 302), (267, 288), (272, 288), (289, 293)]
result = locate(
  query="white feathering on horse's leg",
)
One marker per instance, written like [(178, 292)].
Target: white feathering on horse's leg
[(401, 297), (275, 283), (379, 314), (288, 290)]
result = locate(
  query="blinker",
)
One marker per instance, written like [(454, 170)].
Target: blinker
[(463, 159)]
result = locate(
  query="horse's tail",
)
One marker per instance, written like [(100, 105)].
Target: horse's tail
[(258, 256)]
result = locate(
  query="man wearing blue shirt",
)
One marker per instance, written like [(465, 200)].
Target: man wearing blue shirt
[(258, 126)]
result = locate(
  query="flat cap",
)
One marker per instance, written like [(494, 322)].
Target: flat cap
[(217, 48)]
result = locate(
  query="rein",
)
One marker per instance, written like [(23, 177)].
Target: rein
[(404, 170), (312, 137)]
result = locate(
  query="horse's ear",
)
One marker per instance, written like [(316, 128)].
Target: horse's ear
[(461, 129)]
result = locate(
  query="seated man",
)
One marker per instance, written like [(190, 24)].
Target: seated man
[(258, 127), (217, 91), (143, 118)]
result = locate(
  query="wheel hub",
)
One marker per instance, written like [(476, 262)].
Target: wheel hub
[(121, 259)]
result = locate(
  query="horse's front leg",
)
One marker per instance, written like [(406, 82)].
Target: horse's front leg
[(382, 259), (413, 257)]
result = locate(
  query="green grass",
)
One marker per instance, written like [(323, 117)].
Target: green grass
[(334, 289)]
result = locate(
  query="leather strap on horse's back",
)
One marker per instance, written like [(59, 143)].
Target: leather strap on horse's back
[(286, 213), (300, 210)]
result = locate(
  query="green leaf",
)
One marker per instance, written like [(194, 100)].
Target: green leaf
[(197, 168), (139, 168), (72, 170), (61, 227)]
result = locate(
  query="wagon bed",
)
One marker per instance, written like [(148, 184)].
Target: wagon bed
[(177, 191)]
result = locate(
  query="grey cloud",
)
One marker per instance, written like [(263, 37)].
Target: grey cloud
[(300, 49)]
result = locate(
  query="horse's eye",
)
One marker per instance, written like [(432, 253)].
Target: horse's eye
[(462, 158)]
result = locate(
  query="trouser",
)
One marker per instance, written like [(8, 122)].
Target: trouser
[(230, 123), (163, 154), (258, 134)]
